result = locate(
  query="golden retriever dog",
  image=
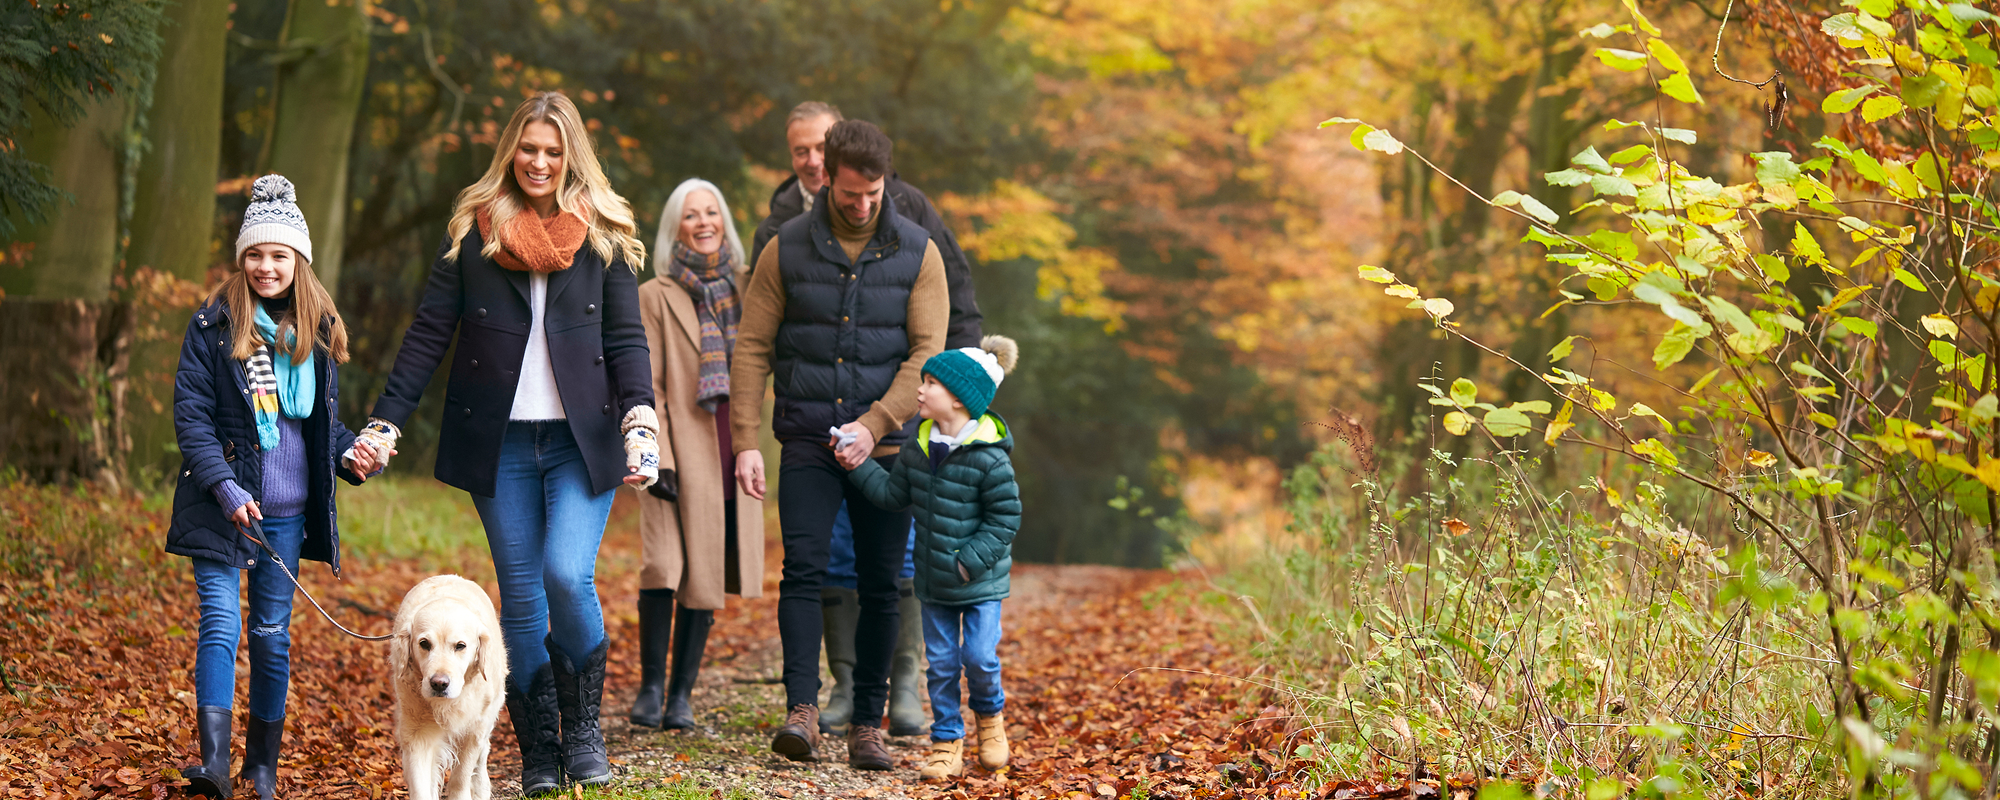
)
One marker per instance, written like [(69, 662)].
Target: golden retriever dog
[(449, 668)]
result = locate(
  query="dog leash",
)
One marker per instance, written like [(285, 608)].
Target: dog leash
[(259, 539)]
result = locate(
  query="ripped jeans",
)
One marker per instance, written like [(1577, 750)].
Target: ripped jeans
[(270, 623)]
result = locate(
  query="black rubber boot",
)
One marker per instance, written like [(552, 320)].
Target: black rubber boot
[(538, 727), (210, 778), (690, 639), (261, 743), (579, 692), (656, 626)]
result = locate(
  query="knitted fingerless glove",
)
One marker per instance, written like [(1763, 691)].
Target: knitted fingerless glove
[(380, 436), (642, 443)]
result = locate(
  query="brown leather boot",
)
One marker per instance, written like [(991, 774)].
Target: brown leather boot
[(798, 738), (993, 741), (865, 749)]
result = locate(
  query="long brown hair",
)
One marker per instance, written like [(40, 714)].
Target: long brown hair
[(310, 301), (583, 189)]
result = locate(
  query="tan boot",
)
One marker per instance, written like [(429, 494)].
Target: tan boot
[(946, 759), (993, 741)]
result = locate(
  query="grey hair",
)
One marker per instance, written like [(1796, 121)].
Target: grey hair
[(670, 221), (813, 109)]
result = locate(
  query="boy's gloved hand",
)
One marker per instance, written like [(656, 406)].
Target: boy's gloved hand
[(642, 446)]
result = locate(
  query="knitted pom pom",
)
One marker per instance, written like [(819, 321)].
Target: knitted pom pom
[(273, 188), (1004, 350)]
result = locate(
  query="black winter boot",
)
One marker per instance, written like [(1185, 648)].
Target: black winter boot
[(579, 692), (656, 626), (690, 638), (210, 778), (538, 727), (261, 743)]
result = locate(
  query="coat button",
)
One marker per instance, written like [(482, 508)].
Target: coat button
[(600, 360), (850, 277), (843, 319), (481, 313), (839, 400), (590, 309), (468, 412), (840, 361), (607, 409), (475, 363)]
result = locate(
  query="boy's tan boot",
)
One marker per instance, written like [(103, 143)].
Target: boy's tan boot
[(993, 741), (946, 760)]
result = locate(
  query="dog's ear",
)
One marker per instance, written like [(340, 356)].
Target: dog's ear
[(479, 654)]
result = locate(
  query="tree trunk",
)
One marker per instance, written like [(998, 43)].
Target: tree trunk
[(51, 424), (319, 90), (173, 218)]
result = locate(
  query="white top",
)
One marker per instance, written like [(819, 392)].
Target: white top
[(536, 396), (809, 196)]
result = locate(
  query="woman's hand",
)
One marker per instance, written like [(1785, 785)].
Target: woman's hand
[(642, 446), (750, 473), (246, 512)]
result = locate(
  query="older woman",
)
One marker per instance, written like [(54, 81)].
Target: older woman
[(699, 538)]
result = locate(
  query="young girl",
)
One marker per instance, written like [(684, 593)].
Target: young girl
[(254, 403)]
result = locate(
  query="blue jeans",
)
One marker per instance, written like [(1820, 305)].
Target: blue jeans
[(840, 561), (216, 585), (543, 524), (962, 638)]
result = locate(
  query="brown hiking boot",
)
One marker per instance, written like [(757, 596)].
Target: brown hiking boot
[(993, 741), (799, 737), (865, 750), (946, 759)]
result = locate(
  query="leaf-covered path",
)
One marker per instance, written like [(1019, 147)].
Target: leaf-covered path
[(98, 698)]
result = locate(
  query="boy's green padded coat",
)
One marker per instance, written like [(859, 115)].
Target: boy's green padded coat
[(966, 513)]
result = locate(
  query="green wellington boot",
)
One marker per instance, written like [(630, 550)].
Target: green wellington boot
[(906, 668), (840, 612)]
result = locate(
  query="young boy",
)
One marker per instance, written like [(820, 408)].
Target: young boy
[(958, 481)]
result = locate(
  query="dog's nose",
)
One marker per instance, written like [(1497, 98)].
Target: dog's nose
[(440, 684)]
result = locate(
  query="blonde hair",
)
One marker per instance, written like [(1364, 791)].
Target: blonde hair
[(582, 188), (670, 220), (310, 301)]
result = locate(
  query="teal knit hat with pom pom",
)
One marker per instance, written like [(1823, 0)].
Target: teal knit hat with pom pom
[(973, 374)]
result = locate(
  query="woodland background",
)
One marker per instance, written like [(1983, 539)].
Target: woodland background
[(1751, 553)]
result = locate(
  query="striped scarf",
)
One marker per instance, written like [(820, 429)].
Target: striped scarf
[(706, 278), (276, 385)]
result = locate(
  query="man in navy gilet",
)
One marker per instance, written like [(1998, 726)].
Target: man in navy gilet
[(841, 312)]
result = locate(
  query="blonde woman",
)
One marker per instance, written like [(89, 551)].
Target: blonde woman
[(549, 409), (699, 538)]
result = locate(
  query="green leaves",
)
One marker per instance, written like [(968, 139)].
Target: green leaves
[(1845, 100), (1621, 60), (1533, 208)]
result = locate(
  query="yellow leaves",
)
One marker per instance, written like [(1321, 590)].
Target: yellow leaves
[(1017, 222), (1438, 307), (1402, 290), (1843, 297), (1941, 326), (1760, 459), (1457, 423), (1658, 452), (1376, 274), (1559, 425), (1643, 410), (1366, 136)]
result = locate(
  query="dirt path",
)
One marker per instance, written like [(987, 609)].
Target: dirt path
[(98, 699)]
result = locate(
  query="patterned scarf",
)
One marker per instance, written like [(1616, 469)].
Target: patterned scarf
[(706, 278), (276, 384), (532, 244)]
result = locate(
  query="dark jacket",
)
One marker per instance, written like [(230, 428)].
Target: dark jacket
[(967, 511), (845, 333), (964, 330), (217, 433), (597, 348)]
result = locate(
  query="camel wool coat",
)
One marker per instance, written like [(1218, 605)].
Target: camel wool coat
[(684, 545)]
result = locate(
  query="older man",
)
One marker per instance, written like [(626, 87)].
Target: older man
[(843, 311)]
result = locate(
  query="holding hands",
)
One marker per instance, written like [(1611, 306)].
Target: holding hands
[(852, 443)]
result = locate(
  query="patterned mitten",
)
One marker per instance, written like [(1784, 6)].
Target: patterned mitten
[(380, 436), (642, 443)]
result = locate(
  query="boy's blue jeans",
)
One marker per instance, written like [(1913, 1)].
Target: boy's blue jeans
[(216, 584), (543, 524), (962, 639)]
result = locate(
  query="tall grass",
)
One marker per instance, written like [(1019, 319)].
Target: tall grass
[(413, 519), (1468, 623)]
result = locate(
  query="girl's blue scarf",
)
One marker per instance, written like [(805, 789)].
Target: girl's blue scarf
[(276, 384)]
